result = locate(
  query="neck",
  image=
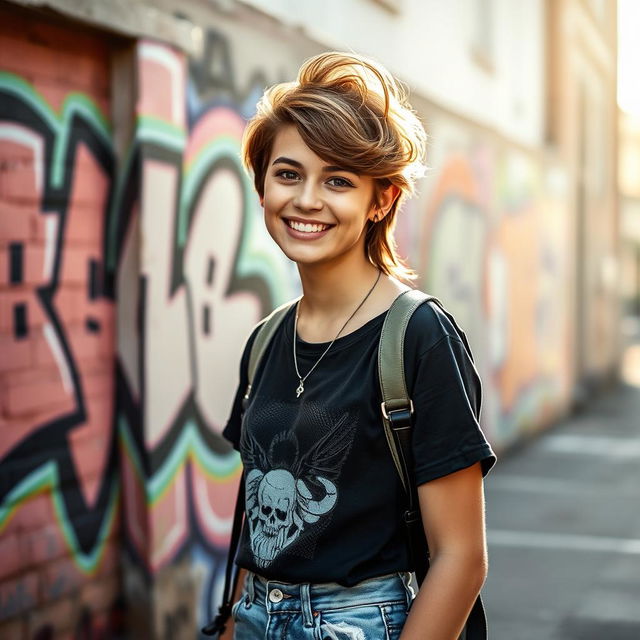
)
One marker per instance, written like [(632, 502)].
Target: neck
[(330, 289)]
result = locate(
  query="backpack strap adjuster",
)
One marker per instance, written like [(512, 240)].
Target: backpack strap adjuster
[(398, 418), (411, 515)]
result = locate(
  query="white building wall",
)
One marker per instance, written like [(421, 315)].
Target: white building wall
[(430, 45)]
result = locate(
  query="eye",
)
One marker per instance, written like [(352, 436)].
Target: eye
[(287, 174), (339, 182)]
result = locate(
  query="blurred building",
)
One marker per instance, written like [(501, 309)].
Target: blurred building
[(133, 261), (630, 211)]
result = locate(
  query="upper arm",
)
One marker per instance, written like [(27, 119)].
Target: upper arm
[(452, 508), (446, 391), (232, 429)]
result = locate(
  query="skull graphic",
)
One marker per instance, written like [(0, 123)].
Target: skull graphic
[(277, 508), (287, 492), (276, 495)]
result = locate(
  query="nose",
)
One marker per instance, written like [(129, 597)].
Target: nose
[(307, 197)]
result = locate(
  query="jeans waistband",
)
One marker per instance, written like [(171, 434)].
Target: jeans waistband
[(311, 597)]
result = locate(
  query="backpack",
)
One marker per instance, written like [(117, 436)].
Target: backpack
[(397, 410)]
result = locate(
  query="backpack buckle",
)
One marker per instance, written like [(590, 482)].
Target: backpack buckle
[(412, 516), (398, 418), (245, 398)]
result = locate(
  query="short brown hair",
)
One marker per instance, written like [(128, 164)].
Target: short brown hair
[(351, 111)]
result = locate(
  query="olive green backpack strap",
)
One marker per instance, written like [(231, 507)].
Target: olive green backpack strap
[(397, 418), (397, 407), (268, 328)]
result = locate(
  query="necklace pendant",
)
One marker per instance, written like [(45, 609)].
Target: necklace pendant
[(300, 389)]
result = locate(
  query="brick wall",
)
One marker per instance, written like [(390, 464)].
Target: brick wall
[(59, 490)]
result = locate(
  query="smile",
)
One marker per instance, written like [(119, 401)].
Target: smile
[(306, 227)]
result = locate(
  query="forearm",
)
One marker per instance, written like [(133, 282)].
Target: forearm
[(445, 598)]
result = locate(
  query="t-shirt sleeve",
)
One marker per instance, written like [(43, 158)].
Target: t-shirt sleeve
[(231, 431), (447, 398)]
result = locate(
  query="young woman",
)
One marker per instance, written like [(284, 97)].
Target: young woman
[(333, 155)]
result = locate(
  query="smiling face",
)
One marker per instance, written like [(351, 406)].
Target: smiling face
[(315, 211)]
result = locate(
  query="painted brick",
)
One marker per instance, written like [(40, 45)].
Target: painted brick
[(60, 578), (33, 376), (32, 398), (15, 470), (18, 183), (4, 268), (73, 300), (98, 384), (20, 55), (18, 595), (12, 548), (57, 60), (40, 222), (13, 630), (15, 221), (85, 228), (13, 431), (77, 41), (35, 313), (84, 345), (75, 265), (45, 544), (16, 354), (34, 264), (111, 555), (34, 513), (93, 443), (56, 93), (91, 188), (41, 350), (99, 595), (61, 615)]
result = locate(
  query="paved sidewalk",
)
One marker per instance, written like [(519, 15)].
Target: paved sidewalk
[(563, 519)]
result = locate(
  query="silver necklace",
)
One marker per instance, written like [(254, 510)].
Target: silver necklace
[(300, 389)]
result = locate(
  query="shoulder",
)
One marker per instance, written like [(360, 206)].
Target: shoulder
[(430, 324), (275, 318)]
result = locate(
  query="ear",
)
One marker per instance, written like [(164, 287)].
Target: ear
[(387, 197)]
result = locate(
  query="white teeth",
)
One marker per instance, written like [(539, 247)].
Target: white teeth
[(307, 228)]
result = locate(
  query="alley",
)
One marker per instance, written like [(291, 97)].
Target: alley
[(563, 522)]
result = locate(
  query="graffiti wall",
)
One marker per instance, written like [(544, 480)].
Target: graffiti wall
[(492, 230), (59, 485)]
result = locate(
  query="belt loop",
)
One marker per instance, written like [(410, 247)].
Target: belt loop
[(305, 602)]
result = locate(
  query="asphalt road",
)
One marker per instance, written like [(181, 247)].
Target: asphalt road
[(563, 526)]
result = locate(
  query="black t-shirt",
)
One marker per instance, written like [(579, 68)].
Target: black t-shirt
[(323, 497)]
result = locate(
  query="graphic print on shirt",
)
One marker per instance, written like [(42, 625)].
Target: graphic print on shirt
[(288, 493)]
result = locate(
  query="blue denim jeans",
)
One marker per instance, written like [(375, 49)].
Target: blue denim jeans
[(374, 609)]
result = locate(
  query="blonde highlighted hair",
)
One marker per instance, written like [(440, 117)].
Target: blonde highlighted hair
[(351, 111)]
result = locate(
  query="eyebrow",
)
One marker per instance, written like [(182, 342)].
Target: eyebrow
[(298, 165)]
